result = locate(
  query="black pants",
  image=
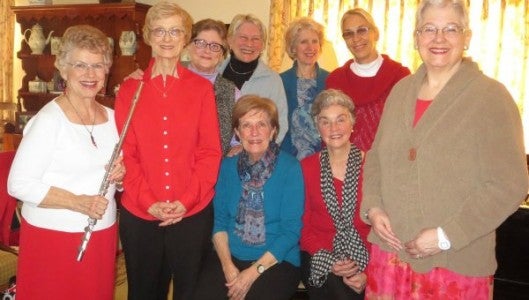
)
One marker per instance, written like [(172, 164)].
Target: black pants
[(154, 254), (333, 288), (278, 282)]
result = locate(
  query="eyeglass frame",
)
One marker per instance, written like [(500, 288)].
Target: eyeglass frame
[(460, 30), (161, 32), (350, 33), (80, 66), (204, 44)]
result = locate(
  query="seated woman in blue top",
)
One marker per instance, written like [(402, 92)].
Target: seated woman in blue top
[(258, 207)]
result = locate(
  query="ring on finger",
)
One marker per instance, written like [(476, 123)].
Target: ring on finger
[(419, 256)]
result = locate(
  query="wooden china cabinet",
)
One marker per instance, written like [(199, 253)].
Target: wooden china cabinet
[(111, 18)]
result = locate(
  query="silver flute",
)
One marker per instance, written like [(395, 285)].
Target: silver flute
[(105, 183)]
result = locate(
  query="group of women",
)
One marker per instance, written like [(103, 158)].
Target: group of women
[(311, 187)]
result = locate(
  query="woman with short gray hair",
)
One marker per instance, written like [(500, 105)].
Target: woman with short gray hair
[(334, 246)]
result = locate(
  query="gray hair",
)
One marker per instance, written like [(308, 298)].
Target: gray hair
[(83, 37), (458, 5), (332, 97)]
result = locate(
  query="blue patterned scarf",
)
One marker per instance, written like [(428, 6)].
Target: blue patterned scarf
[(250, 220)]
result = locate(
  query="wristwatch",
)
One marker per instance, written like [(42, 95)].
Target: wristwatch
[(444, 243), (260, 269)]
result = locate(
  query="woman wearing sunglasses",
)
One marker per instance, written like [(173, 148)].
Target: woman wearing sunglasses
[(367, 78)]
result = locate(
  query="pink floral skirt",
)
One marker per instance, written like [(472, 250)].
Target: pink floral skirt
[(391, 278)]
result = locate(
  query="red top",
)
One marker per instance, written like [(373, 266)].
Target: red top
[(369, 95), (172, 149), (318, 229), (420, 108)]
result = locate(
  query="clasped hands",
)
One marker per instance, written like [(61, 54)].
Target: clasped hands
[(349, 271), (239, 282), (424, 244), (168, 212)]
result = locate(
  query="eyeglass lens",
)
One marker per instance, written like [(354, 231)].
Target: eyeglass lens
[(161, 32), (360, 31), (214, 47)]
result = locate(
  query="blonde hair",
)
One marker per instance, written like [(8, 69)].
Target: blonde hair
[(295, 27), (362, 13), (240, 19), (248, 103), (165, 9), (83, 37)]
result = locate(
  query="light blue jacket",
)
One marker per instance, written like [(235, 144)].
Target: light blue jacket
[(265, 82)]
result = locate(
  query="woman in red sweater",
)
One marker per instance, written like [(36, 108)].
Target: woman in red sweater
[(334, 247), (172, 155), (368, 78)]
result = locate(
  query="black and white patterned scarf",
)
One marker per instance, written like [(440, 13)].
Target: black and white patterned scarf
[(347, 242)]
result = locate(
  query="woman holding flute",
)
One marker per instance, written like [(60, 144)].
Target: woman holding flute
[(57, 172)]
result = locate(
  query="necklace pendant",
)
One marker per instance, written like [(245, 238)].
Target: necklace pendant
[(93, 140)]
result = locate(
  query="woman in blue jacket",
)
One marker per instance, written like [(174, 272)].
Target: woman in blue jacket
[(304, 39), (257, 207)]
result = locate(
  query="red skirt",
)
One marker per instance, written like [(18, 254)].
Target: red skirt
[(48, 269), (389, 278)]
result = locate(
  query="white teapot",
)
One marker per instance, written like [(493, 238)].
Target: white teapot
[(37, 42)]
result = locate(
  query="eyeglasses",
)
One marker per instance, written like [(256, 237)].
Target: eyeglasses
[(84, 67), (161, 32), (361, 31), (430, 31), (213, 47)]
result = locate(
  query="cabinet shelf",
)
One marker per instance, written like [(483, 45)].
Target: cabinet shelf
[(111, 18)]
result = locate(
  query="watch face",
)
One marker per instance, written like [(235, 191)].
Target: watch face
[(444, 245), (260, 269)]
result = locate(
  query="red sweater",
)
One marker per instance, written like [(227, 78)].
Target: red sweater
[(369, 96), (172, 149), (318, 229)]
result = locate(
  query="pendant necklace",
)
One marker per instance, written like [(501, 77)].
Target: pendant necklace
[(82, 121), (239, 73), (165, 88), (311, 74)]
